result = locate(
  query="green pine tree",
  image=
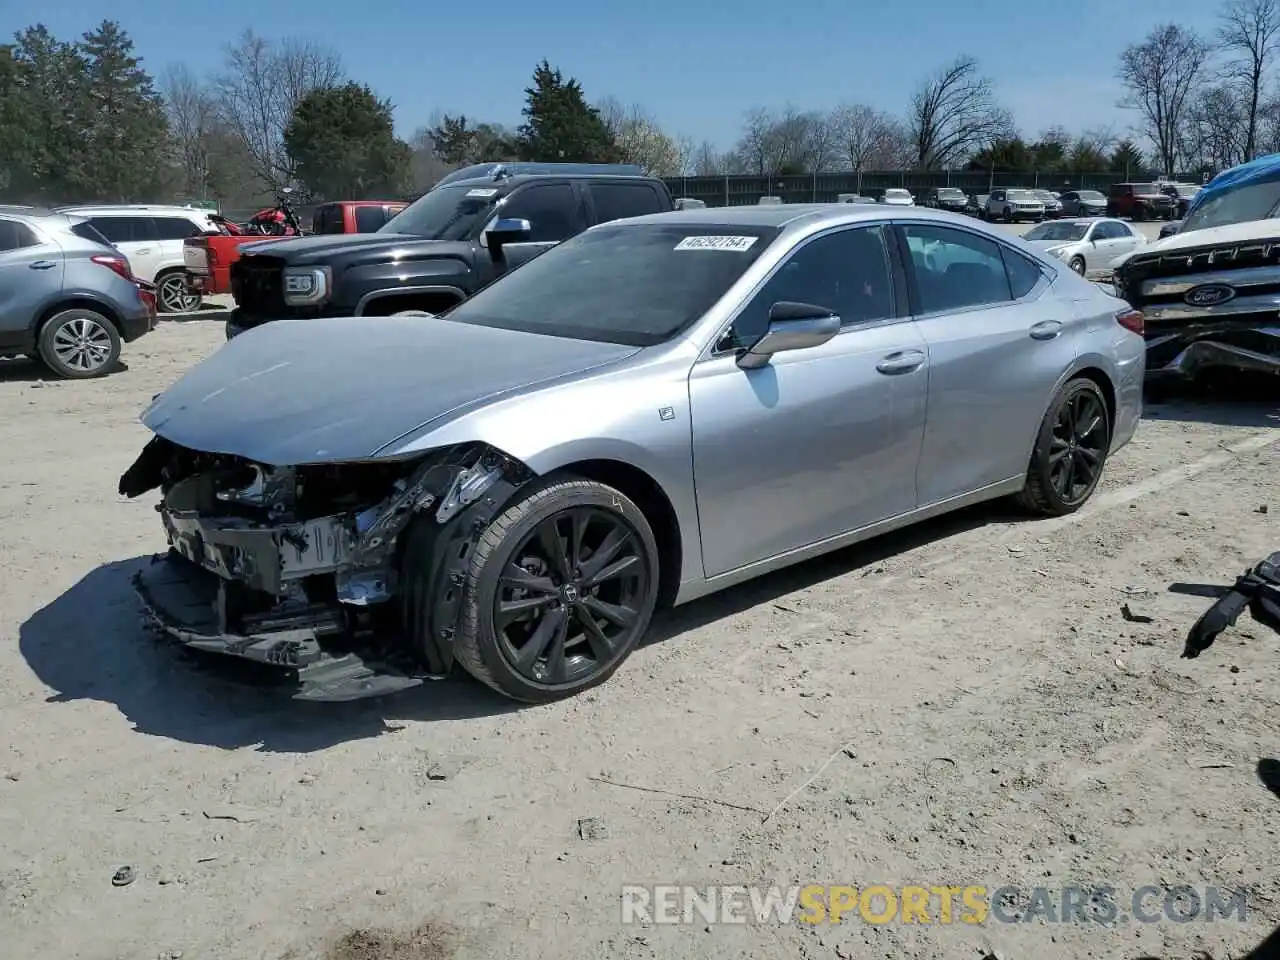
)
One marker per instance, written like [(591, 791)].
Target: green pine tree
[(560, 126)]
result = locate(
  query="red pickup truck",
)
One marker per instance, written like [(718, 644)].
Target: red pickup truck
[(208, 258)]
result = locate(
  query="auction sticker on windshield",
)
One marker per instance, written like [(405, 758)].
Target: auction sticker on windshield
[(737, 244)]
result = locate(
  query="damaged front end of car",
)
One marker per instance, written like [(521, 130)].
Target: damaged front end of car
[(301, 567), (1206, 307)]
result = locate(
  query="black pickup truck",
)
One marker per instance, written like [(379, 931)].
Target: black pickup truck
[(473, 226)]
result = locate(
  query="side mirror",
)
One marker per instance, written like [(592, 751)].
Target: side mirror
[(792, 326), (503, 231)]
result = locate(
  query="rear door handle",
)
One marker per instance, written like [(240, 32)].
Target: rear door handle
[(1046, 330), (901, 361), (143, 251), (42, 264)]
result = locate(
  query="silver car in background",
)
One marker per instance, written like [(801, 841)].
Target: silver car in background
[(651, 411), (68, 298), (1012, 204), (1083, 203), (1052, 205), (898, 197)]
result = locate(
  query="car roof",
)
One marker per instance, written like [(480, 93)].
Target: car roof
[(781, 215), (124, 209), (24, 210)]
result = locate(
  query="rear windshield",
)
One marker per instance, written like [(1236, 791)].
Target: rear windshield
[(630, 284), (1146, 188), (950, 192), (1090, 195)]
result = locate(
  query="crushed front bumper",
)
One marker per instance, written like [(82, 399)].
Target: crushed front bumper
[(189, 604), (1185, 353)]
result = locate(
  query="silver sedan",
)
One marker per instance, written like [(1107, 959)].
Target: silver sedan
[(654, 410)]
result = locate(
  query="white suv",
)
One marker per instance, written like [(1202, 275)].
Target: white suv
[(151, 237)]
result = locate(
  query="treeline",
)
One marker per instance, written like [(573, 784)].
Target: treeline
[(83, 120)]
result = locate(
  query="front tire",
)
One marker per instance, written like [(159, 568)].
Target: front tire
[(79, 344), (1070, 452), (561, 588), (1078, 265)]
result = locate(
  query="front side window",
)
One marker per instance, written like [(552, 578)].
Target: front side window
[(955, 269), (634, 284), (552, 209), (175, 228), (847, 272)]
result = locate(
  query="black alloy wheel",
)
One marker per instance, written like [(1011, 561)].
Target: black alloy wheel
[(562, 587), (1071, 449), (570, 597)]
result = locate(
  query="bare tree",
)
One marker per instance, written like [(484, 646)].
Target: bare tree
[(259, 89), (640, 139), (687, 149), (1249, 32), (869, 139), (192, 117), (1216, 131), (1161, 75), (953, 114), (707, 161), (789, 141)]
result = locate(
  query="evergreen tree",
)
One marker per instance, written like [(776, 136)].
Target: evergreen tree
[(560, 126), (342, 143)]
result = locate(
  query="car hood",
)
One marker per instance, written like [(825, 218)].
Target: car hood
[(317, 249), (340, 388), (1252, 230)]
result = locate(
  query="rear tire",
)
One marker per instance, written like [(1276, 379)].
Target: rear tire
[(79, 344), (173, 295), (505, 572), (1070, 452)]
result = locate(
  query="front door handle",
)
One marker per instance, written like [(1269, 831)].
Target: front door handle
[(901, 361), (43, 264), (1046, 330)]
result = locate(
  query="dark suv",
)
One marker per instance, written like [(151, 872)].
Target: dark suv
[(1139, 201), (473, 226), (947, 198)]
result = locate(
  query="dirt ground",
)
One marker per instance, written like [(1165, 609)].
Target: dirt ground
[(965, 702)]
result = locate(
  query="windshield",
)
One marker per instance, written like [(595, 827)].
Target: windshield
[(1044, 194), (1186, 191), (1146, 189), (896, 193), (950, 192), (1065, 232), (446, 213), (1021, 196), (1241, 204), (637, 285), (1090, 195)]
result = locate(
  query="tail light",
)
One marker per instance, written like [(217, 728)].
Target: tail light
[(119, 264), (1132, 320), (211, 255)]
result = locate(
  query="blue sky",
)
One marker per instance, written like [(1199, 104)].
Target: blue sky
[(697, 66)]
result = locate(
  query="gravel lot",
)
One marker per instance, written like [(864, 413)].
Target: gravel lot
[(965, 702)]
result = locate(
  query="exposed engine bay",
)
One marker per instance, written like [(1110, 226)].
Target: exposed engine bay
[(301, 567)]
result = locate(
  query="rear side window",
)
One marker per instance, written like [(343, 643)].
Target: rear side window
[(1023, 272), (955, 269), (616, 201), (126, 229), (369, 219), (327, 219), (15, 236), (87, 231), (175, 228)]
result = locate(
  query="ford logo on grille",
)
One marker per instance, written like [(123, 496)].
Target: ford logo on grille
[(1209, 295)]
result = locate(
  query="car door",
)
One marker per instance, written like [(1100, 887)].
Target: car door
[(171, 232), (31, 270), (1121, 240), (820, 441), (555, 211), (997, 346), (136, 238)]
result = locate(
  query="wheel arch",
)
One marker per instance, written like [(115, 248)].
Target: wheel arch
[(653, 501), (76, 303)]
